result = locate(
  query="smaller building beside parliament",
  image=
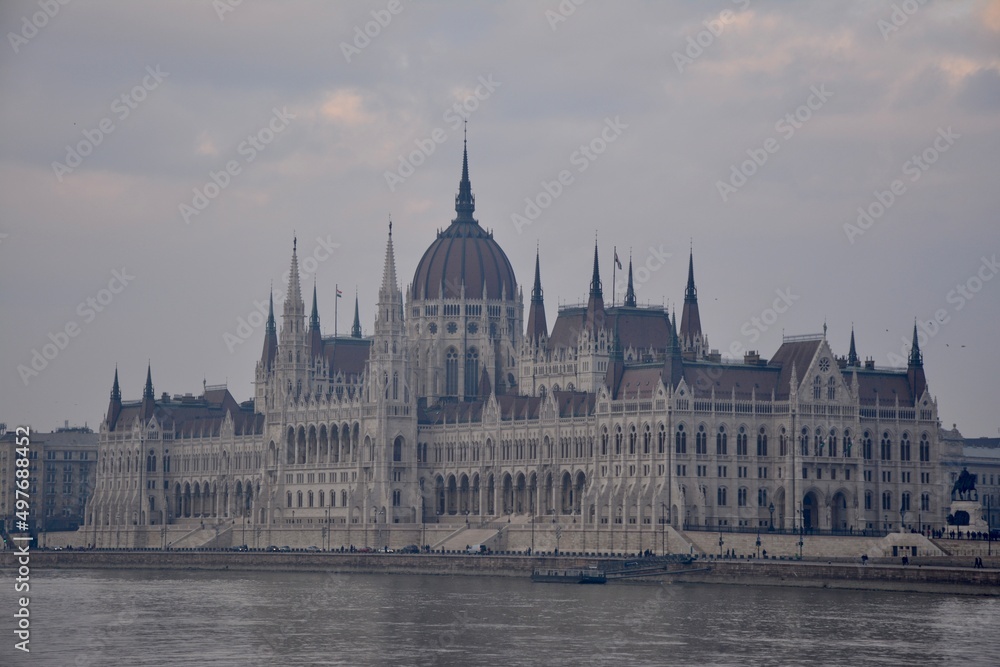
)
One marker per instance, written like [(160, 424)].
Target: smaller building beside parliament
[(615, 422)]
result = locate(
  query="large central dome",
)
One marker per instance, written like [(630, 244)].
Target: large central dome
[(464, 254)]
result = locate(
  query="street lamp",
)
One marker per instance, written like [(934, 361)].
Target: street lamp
[(801, 533), (721, 542), (770, 508), (902, 512), (758, 543), (466, 519), (989, 527)]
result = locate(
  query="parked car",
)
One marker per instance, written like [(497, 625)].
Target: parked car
[(241, 547), (410, 549), (365, 550), (313, 548), (271, 548), (285, 548)]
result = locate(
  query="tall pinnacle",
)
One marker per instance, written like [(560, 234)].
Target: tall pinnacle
[(852, 355), (690, 317), (294, 295), (630, 291), (537, 326), (271, 327), (314, 316), (916, 358), (465, 201), (147, 392), (536, 291), (690, 292), (116, 392), (356, 327), (270, 350), (389, 284), (595, 280)]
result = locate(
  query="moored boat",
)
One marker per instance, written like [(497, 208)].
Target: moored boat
[(569, 576)]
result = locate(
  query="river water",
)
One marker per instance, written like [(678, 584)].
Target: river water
[(105, 618)]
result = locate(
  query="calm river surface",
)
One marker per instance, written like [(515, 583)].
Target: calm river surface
[(103, 618)]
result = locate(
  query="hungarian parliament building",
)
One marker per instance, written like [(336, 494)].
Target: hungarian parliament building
[(456, 409)]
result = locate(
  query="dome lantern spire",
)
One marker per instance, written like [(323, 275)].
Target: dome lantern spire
[(465, 201)]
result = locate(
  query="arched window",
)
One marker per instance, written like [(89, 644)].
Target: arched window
[(817, 387), (866, 445), (680, 440), (886, 447), (661, 439), (289, 499), (925, 448), (471, 372), (904, 447), (604, 441), (343, 498), (451, 372), (395, 386), (831, 388), (299, 499), (741, 442), (322, 498), (722, 442), (761, 497), (741, 497), (762, 442), (647, 437), (618, 440), (397, 449), (632, 438), (701, 440), (311, 498), (721, 494), (804, 441), (868, 500)]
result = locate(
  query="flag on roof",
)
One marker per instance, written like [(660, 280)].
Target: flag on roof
[(618, 262)]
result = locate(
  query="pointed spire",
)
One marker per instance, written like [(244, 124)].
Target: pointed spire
[(690, 331), (916, 358), (485, 386), (465, 201), (537, 326), (315, 334), (116, 392), (294, 295), (356, 327), (389, 283), (147, 392), (314, 316), (595, 280), (852, 355), (690, 292), (270, 351), (630, 290), (595, 305)]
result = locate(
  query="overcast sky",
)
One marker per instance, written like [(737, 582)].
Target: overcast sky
[(757, 130)]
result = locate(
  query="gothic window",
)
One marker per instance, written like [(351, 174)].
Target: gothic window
[(782, 443), (631, 440), (904, 501), (886, 500), (618, 440), (741, 497), (397, 449), (741, 442), (647, 436), (289, 499), (804, 441), (322, 498), (701, 440), (452, 327), (721, 496), (721, 444), (817, 387), (604, 441), (762, 497), (831, 388), (451, 372), (311, 498), (886, 447), (680, 440), (925, 448), (832, 444), (868, 500), (471, 372), (925, 502), (762, 442), (866, 445), (395, 386), (299, 499), (904, 447), (661, 439)]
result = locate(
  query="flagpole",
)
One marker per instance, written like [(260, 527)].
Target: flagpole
[(336, 302), (614, 273)]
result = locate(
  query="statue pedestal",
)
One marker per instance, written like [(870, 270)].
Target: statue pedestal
[(975, 510)]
